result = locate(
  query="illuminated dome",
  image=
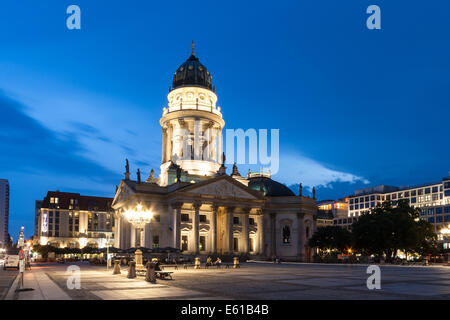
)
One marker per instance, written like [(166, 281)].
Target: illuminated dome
[(192, 73)]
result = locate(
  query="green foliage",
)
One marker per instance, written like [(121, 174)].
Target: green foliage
[(44, 250), (387, 229), (331, 238)]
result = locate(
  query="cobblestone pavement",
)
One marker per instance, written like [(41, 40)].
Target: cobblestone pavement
[(252, 281)]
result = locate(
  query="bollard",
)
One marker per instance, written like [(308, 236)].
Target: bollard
[(197, 263), (150, 275), (236, 263), (138, 258), (116, 267), (132, 270)]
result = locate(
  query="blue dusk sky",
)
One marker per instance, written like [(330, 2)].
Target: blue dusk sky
[(355, 107)]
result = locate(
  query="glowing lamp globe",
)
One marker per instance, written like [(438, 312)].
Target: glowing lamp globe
[(139, 217)]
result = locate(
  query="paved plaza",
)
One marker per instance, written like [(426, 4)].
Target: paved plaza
[(251, 281)]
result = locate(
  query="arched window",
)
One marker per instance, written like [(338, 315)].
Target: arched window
[(286, 234)]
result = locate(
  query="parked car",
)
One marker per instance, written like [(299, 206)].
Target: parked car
[(11, 259)]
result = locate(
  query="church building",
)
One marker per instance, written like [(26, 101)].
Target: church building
[(194, 205)]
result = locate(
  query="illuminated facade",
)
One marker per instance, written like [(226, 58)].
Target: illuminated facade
[(194, 204), (74, 221), (432, 198), (334, 212)]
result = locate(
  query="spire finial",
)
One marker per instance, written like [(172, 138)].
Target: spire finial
[(127, 170), (193, 51)]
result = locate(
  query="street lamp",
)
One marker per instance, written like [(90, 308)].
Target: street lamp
[(139, 218), (108, 261)]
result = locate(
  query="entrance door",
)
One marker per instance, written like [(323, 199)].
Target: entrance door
[(184, 243)]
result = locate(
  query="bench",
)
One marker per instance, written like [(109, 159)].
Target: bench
[(164, 274), (169, 266)]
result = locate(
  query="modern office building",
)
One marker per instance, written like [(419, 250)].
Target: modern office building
[(334, 212), (74, 221), (432, 198), (4, 212)]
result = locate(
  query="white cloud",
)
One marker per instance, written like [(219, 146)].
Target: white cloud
[(295, 168)]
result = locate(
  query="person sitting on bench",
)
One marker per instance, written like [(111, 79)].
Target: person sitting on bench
[(218, 262), (157, 264)]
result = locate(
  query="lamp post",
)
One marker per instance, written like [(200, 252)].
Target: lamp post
[(108, 261), (139, 218)]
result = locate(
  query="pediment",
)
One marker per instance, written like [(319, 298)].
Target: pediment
[(122, 194), (226, 189)]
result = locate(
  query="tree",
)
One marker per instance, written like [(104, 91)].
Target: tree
[(387, 229), (44, 250), (331, 238), (426, 239)]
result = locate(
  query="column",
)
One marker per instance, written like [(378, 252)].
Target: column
[(261, 234), (195, 230), (164, 145), (117, 232), (229, 230), (273, 234), (197, 139), (213, 149), (301, 236), (123, 233), (133, 237), (169, 135), (127, 233), (245, 238), (147, 236), (230, 211), (176, 224), (219, 146), (214, 229)]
